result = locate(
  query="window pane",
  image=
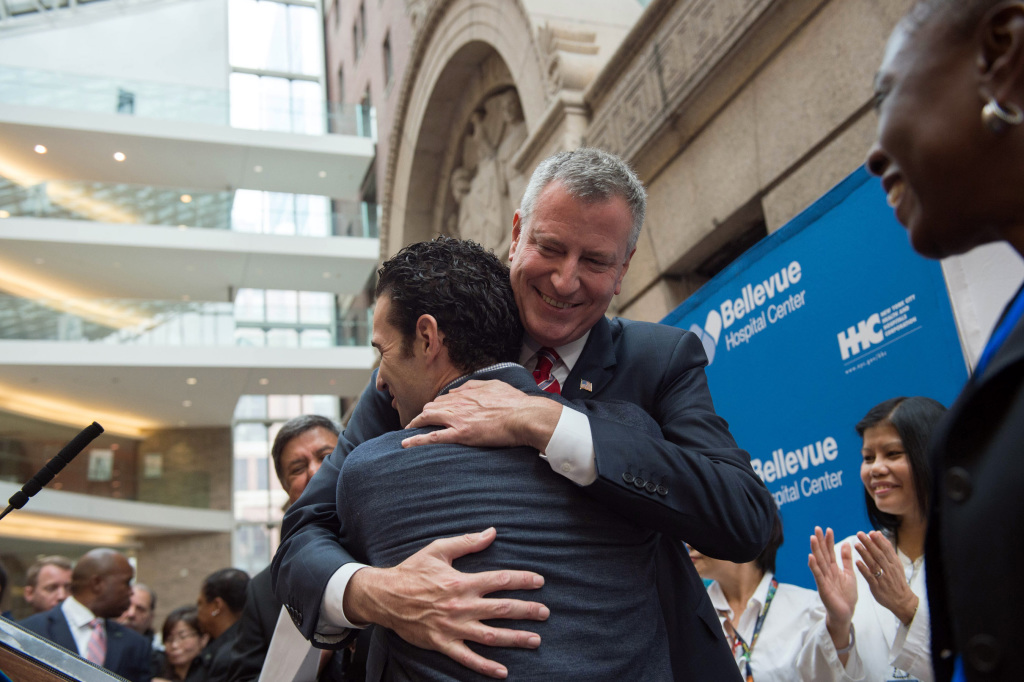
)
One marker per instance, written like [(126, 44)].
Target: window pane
[(252, 407), (284, 406), (324, 405), (245, 101), (247, 211), (315, 307), (282, 306), (312, 215), (305, 40), (249, 305), (307, 108)]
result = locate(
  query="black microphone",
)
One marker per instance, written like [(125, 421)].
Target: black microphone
[(53, 467)]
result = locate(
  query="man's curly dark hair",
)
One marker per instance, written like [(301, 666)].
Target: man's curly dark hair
[(466, 289)]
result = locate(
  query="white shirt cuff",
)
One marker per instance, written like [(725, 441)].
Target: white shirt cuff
[(332, 613), (570, 452)]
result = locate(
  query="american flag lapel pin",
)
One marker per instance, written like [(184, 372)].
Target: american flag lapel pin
[(586, 386)]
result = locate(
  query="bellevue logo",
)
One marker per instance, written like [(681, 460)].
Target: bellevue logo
[(752, 298)]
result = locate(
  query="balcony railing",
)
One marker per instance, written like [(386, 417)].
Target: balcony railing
[(58, 90), (316, 324), (241, 211)]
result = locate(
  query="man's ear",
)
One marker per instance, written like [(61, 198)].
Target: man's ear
[(517, 228), (428, 339), (1001, 60)]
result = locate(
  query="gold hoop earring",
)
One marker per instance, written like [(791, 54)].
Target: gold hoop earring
[(998, 118)]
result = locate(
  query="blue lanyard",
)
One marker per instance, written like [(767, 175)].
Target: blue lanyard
[(1010, 321)]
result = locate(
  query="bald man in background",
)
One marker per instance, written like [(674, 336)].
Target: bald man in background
[(101, 590)]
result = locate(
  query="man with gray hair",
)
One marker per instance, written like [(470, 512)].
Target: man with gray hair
[(572, 241)]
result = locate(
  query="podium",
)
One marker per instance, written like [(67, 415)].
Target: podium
[(25, 657)]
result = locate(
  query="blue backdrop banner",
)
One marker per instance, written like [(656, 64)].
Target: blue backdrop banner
[(805, 332)]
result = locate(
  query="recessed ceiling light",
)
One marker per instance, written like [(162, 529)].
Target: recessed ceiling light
[(119, 156), (186, 198), (186, 403), (40, 149), (257, 169), (264, 381), (183, 227), (5, 214), (327, 275), (39, 261), (191, 381), (323, 174)]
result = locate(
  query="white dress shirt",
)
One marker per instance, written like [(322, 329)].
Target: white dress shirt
[(78, 617), (792, 615), (570, 453)]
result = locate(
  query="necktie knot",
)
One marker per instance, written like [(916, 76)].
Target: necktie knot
[(546, 359)]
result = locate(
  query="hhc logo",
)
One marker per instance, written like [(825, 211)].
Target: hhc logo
[(861, 337)]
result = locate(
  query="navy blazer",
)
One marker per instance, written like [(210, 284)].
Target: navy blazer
[(598, 566), (703, 490), (128, 652), (974, 552)]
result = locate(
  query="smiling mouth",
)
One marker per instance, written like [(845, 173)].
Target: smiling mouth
[(558, 304), (883, 488), (895, 194)]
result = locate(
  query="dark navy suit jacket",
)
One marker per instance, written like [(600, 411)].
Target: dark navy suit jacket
[(128, 652), (598, 566), (974, 552), (704, 490)]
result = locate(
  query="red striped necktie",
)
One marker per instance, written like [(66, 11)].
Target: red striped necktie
[(96, 648), (546, 359)]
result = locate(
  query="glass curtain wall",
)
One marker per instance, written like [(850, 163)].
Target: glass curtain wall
[(276, 56)]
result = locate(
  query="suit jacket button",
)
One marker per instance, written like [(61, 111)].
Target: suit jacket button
[(958, 484), (639, 482), (650, 487), (983, 653), (662, 490), (627, 477)]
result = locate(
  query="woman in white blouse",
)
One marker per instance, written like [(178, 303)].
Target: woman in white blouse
[(765, 621), (876, 625)]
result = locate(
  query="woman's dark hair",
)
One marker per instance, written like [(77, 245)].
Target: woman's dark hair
[(914, 419), (183, 614), (229, 584), (766, 559)]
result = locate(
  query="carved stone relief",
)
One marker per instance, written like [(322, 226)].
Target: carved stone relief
[(485, 187), (670, 68)]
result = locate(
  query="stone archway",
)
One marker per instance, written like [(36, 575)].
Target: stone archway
[(476, 88)]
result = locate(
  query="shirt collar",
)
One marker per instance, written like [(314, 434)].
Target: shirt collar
[(758, 599), (466, 377), (77, 613), (569, 353)]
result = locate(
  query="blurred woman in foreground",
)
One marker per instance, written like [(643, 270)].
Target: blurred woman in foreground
[(765, 621), (876, 627), (950, 154)]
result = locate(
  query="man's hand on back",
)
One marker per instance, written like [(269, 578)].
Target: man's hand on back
[(487, 414), (429, 604)]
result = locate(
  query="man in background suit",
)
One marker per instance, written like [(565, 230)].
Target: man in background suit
[(572, 241), (101, 590), (299, 448), (446, 314)]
